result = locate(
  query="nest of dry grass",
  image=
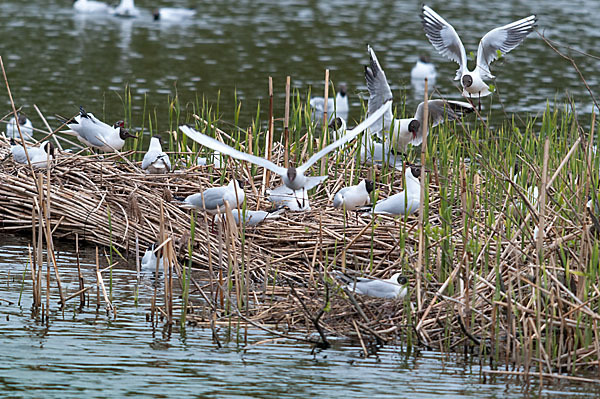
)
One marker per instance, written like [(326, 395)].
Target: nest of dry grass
[(275, 275)]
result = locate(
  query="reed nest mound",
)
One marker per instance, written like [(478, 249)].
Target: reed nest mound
[(524, 299)]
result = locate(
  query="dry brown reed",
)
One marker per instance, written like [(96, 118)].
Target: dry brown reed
[(275, 276)]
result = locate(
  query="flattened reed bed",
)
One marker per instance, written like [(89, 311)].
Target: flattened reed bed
[(487, 288)]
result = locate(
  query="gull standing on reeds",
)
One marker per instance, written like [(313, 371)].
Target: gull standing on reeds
[(126, 8), (392, 288), (97, 134), (338, 106), (406, 202), (172, 14), (253, 218), (156, 161), (39, 156), (353, 197), (212, 200), (492, 46), (90, 6), (12, 131), (408, 130), (287, 197), (292, 177)]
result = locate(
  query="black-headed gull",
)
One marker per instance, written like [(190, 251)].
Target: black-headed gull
[(97, 134), (292, 177), (156, 161), (212, 200), (407, 201), (172, 14), (338, 106), (288, 198), (407, 130), (394, 287), (494, 44), (253, 218), (353, 197), (39, 156), (126, 8), (25, 125), (90, 6)]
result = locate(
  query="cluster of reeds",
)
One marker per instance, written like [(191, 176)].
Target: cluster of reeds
[(481, 280)]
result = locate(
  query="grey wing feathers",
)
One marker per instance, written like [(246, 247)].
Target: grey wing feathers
[(227, 150), (350, 134), (439, 110), (444, 38), (150, 158), (214, 197), (90, 136), (379, 90), (339, 197), (503, 39)]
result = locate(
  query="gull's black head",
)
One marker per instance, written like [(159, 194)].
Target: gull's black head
[(291, 173), (467, 81), (22, 119), (240, 182), (414, 127), (343, 89), (415, 171), (336, 123), (156, 136), (424, 58), (156, 14), (402, 280), (368, 185), (517, 167), (49, 148), (124, 133)]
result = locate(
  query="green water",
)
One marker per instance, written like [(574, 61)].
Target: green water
[(58, 61), (85, 352)]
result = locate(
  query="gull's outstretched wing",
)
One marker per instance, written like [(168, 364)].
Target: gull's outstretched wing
[(502, 39), (379, 91), (350, 134), (444, 38), (232, 152), (439, 110)]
